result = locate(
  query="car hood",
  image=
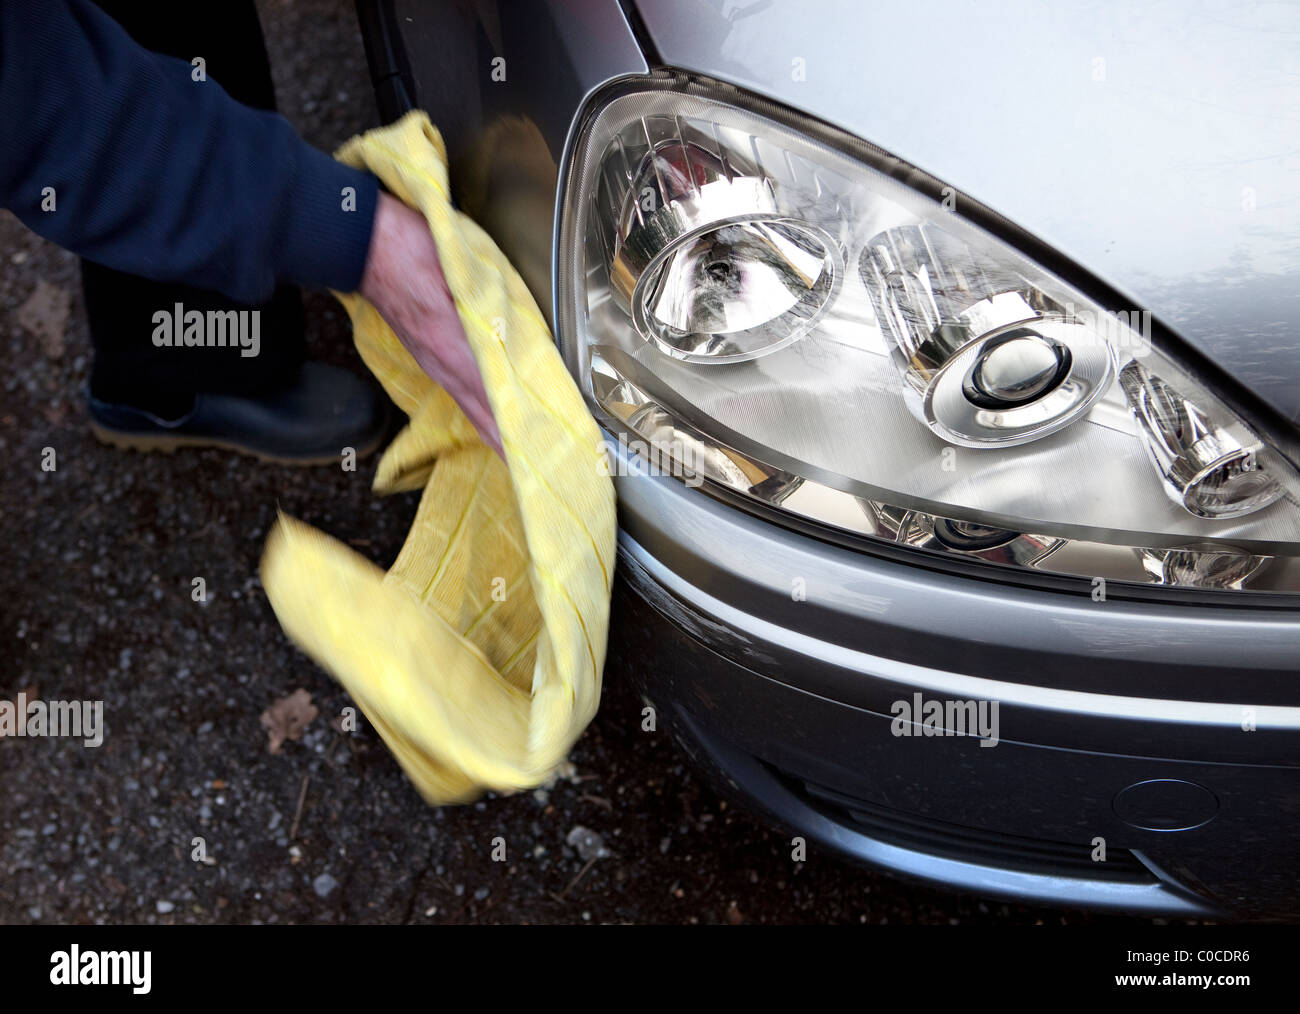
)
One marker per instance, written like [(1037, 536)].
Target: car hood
[(1158, 147)]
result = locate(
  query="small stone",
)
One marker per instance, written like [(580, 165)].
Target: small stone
[(164, 907), (324, 885), (587, 843)]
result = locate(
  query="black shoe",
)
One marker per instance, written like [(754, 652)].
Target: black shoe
[(309, 421)]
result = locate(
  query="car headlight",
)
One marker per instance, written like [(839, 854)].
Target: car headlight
[(795, 325)]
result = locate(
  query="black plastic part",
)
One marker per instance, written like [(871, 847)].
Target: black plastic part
[(390, 70)]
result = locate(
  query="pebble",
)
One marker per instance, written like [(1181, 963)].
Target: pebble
[(324, 885), (588, 844)]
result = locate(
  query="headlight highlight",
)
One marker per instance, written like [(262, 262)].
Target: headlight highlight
[(828, 341)]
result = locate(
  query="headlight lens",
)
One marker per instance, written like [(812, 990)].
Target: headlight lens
[(822, 338), (704, 263)]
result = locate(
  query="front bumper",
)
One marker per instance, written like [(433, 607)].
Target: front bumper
[(791, 700)]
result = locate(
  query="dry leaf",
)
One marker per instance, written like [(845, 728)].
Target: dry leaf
[(45, 316), (288, 717)]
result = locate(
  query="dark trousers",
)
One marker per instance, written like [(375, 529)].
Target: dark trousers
[(128, 367)]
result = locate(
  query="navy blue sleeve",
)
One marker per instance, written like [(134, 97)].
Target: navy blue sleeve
[(119, 155)]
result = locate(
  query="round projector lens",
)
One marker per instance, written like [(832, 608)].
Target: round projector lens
[(737, 291), (1018, 383), (1018, 368)]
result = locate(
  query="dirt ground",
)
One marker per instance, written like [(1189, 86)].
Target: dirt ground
[(95, 603)]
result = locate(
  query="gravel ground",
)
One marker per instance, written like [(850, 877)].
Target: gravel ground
[(95, 603)]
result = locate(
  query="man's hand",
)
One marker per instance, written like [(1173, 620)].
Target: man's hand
[(404, 281)]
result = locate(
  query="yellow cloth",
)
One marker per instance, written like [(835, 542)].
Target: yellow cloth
[(478, 657)]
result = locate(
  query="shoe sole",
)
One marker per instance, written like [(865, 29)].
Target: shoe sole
[(147, 443)]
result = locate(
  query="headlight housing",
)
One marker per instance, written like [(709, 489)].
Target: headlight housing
[(795, 325)]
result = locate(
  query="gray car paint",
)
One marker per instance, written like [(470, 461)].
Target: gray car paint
[(1156, 144)]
